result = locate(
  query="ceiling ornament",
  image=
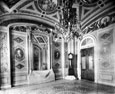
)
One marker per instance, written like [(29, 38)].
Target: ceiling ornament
[(84, 13), (69, 23), (48, 6)]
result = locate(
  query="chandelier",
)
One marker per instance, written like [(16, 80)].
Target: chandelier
[(69, 22)]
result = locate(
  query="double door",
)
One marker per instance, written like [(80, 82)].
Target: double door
[(87, 64)]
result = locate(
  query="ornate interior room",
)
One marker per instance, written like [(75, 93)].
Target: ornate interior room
[(44, 41)]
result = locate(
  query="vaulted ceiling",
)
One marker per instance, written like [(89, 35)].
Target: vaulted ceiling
[(92, 14)]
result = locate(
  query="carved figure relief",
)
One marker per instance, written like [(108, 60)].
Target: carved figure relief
[(105, 21)]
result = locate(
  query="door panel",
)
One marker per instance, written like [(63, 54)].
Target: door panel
[(87, 64)]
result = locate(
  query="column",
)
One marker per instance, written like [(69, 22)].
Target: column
[(63, 57)]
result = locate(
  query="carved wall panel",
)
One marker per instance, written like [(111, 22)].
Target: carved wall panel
[(56, 54), (4, 58), (19, 58), (105, 54), (105, 50), (56, 59), (66, 55)]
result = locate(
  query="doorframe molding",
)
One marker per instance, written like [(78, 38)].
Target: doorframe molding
[(84, 47)]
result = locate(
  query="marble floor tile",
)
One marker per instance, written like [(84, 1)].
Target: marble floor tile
[(62, 87)]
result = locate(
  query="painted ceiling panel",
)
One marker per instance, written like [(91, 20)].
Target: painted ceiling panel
[(91, 12), (10, 3)]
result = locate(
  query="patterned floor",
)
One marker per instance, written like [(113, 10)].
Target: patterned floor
[(63, 87)]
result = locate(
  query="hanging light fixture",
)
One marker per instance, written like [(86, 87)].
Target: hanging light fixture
[(70, 25)]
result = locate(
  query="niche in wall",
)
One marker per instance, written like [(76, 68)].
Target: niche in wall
[(40, 52)]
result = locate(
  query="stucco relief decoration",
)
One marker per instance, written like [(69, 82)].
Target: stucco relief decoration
[(40, 40), (56, 66), (106, 40), (56, 44), (19, 28), (89, 2), (105, 64), (18, 40), (19, 54), (20, 66), (3, 52), (48, 6), (105, 21), (100, 23)]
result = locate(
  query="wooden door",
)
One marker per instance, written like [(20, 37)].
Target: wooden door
[(87, 64)]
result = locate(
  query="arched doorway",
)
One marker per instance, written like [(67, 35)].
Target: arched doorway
[(87, 59)]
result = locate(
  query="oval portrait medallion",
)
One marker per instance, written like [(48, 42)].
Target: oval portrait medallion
[(19, 54), (47, 6), (56, 54)]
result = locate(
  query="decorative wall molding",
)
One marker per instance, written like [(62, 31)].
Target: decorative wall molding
[(92, 11), (100, 23)]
